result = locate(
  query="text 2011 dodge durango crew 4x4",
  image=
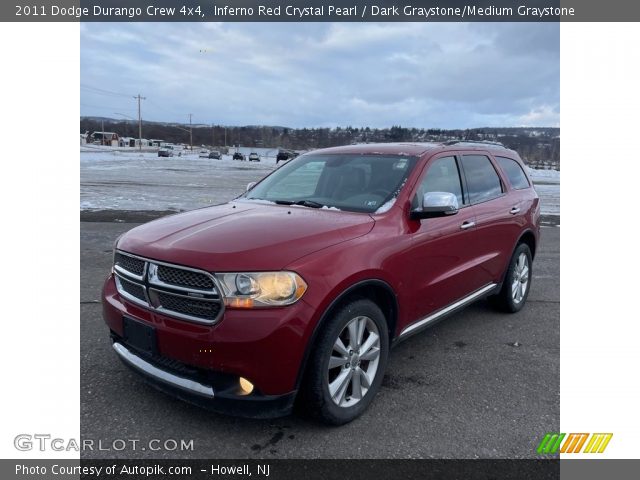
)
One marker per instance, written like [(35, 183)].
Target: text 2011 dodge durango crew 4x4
[(296, 290)]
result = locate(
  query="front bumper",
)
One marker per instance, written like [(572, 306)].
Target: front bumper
[(265, 346), (201, 393), (142, 366)]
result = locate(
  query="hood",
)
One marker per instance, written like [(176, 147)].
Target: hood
[(243, 236)]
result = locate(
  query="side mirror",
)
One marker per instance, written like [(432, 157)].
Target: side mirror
[(436, 204), (250, 185)]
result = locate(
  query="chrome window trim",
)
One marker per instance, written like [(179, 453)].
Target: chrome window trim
[(160, 375), (415, 326), (148, 284)]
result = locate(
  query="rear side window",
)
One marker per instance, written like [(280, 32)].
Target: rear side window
[(517, 178), (483, 181)]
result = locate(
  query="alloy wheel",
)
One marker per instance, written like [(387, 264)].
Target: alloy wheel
[(520, 278), (353, 361)]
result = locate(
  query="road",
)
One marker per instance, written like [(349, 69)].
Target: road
[(478, 385)]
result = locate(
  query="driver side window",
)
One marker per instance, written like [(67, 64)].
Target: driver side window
[(442, 176)]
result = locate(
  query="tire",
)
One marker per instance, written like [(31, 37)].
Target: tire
[(330, 394), (510, 299)]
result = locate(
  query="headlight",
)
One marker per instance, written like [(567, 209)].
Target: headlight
[(261, 289)]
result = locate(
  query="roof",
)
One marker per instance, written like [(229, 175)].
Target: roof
[(412, 148), (105, 133)]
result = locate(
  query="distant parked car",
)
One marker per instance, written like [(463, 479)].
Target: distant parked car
[(215, 154), (254, 157), (203, 154), (285, 155), (238, 156), (165, 152), (282, 157)]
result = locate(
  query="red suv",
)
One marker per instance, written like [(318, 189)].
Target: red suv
[(297, 289)]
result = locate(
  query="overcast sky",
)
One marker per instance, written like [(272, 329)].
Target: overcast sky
[(431, 75)]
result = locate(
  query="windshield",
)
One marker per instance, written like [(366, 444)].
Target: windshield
[(356, 183)]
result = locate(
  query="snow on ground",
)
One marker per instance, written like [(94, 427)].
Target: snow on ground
[(130, 180), (549, 198), (547, 184), (144, 181), (551, 176)]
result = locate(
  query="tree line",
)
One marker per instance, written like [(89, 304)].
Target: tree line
[(535, 145)]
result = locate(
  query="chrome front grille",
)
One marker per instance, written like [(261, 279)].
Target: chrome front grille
[(185, 305), (173, 290), (130, 264), (131, 289), (184, 278)]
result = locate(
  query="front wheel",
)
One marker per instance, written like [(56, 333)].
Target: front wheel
[(517, 282), (347, 365)]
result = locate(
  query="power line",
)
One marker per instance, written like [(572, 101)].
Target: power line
[(160, 107), (103, 107), (102, 91)]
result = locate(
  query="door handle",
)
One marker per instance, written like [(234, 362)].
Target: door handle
[(514, 210), (466, 225)]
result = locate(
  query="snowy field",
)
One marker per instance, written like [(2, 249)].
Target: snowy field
[(547, 184), (144, 181), (128, 180)]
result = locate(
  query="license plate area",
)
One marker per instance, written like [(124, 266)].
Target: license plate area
[(140, 336)]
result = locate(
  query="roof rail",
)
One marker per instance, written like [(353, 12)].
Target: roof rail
[(481, 142)]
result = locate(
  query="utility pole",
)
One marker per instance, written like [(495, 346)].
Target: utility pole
[(102, 139), (139, 122), (213, 136), (225, 137), (190, 132)]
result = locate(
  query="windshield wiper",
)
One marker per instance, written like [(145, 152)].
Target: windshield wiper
[(309, 203), (303, 203)]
